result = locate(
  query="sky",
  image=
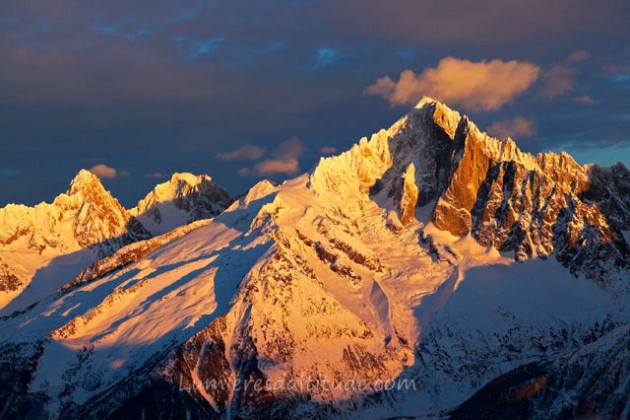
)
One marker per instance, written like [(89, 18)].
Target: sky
[(244, 90)]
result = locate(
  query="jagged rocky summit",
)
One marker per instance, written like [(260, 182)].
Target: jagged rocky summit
[(183, 199)]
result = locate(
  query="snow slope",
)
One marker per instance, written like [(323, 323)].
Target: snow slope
[(49, 243)]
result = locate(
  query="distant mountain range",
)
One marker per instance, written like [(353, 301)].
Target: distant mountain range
[(430, 271), (41, 246)]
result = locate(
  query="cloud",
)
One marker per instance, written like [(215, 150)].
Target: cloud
[(247, 152), (577, 56), (514, 128), (104, 172), (328, 150), (284, 160), (558, 81), (584, 100), (155, 175), (615, 69), (560, 78), (484, 85), (277, 166)]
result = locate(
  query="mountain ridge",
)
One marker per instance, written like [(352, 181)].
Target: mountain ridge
[(86, 223), (363, 269), (464, 172)]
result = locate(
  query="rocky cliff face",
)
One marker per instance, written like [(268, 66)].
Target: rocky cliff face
[(587, 383), (531, 206), (610, 189), (9, 281)]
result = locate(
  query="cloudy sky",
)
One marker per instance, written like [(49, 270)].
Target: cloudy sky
[(243, 90)]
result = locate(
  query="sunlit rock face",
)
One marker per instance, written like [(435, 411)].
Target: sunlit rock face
[(513, 201), (430, 253)]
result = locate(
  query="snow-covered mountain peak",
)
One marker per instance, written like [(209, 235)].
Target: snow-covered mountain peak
[(86, 188), (87, 223), (181, 182), (395, 259), (450, 121), (180, 185), (260, 189), (182, 199), (426, 100), (443, 116), (83, 180), (472, 183), (46, 243), (189, 178)]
